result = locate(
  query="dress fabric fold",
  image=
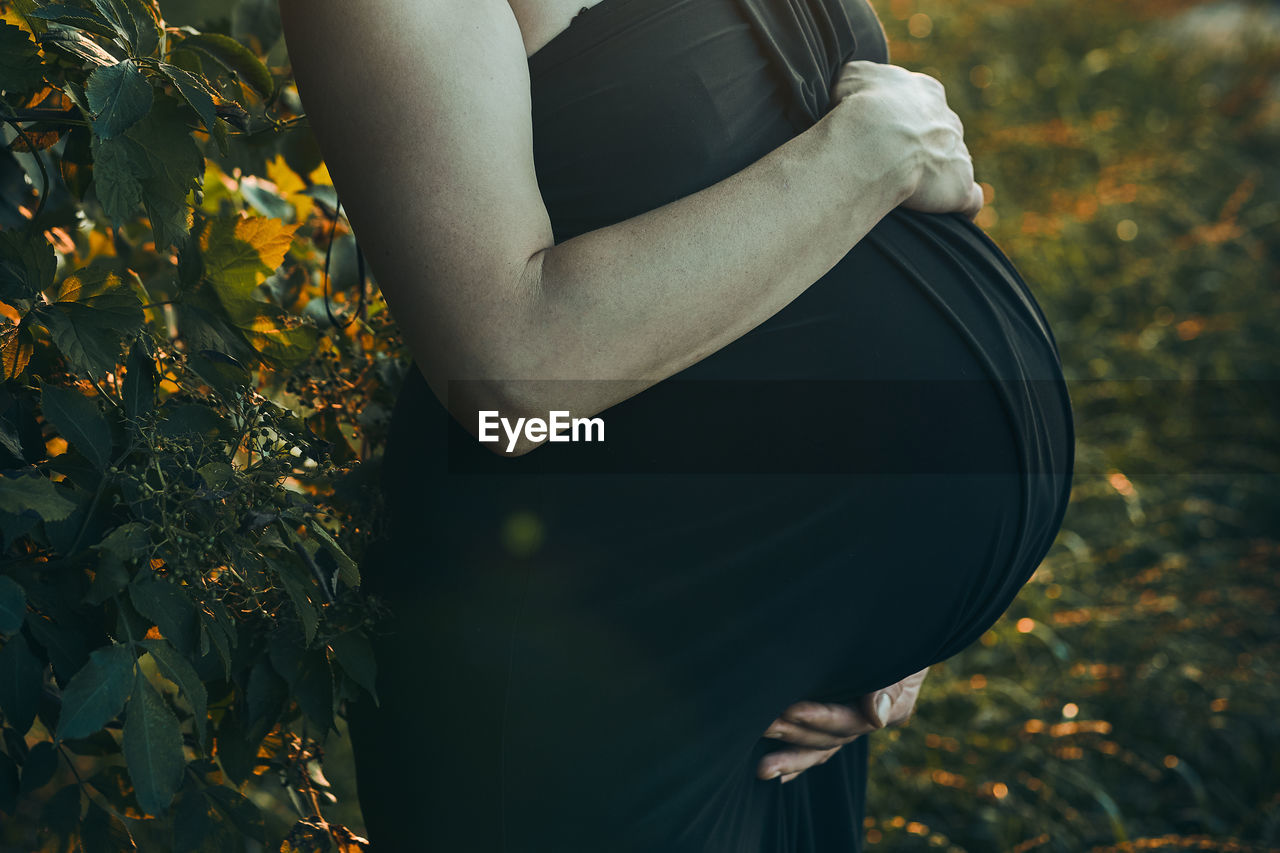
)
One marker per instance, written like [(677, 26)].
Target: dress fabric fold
[(593, 637)]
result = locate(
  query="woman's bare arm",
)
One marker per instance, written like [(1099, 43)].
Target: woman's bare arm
[(422, 110)]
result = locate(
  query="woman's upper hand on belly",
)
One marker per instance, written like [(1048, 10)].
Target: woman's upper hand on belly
[(910, 109)]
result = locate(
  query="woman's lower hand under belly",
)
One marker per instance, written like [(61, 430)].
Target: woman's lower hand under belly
[(819, 730)]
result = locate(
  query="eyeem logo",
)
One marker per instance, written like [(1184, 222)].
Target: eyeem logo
[(536, 429)]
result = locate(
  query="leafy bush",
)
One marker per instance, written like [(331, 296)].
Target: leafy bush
[(178, 616)]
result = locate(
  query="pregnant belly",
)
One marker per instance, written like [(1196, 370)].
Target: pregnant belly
[(921, 351)]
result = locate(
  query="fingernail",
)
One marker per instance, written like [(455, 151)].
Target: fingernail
[(773, 774), (883, 706), (773, 733)]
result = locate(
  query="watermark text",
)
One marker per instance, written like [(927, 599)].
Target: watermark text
[(557, 427)]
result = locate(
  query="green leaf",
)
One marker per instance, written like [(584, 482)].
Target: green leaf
[(190, 419), (145, 24), (179, 670), (307, 672), (156, 163), (74, 16), (126, 541), (96, 308), (191, 822), (152, 747), (21, 681), (298, 584), (119, 96), (348, 571), (236, 752), (266, 696), (169, 608), (119, 17), (97, 693), (99, 743), (27, 265), (60, 816), (355, 655), (198, 94), (64, 644), (38, 769), (173, 166), (13, 605), (87, 334), (242, 813), (104, 832), (20, 67), (222, 372), (218, 474), (135, 23), (103, 277), (220, 629), (79, 45), (78, 420), (36, 493), (119, 166), (110, 575), (233, 56), (75, 91), (113, 783), (16, 348), (239, 254), (139, 382), (8, 783), (61, 534)]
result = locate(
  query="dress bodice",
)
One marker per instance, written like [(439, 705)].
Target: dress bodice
[(641, 102)]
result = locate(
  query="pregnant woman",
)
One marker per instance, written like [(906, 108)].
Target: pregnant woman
[(837, 438)]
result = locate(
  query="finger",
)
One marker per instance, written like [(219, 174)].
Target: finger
[(894, 704), (836, 719), (878, 705), (785, 761), (976, 201), (789, 732), (785, 779)]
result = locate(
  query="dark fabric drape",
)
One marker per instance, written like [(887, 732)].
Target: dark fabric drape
[(586, 648), (807, 39)]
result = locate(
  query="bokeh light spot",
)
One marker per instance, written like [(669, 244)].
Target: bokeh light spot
[(522, 534)]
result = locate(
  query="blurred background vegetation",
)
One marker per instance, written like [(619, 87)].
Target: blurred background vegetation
[(1129, 153), (1125, 701)]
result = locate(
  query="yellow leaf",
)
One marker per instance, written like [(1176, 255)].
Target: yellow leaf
[(271, 238), (290, 187)]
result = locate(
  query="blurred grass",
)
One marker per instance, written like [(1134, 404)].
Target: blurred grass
[(1128, 698)]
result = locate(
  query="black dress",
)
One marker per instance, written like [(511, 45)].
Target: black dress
[(589, 640)]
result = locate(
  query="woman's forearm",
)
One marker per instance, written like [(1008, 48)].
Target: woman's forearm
[(642, 299)]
